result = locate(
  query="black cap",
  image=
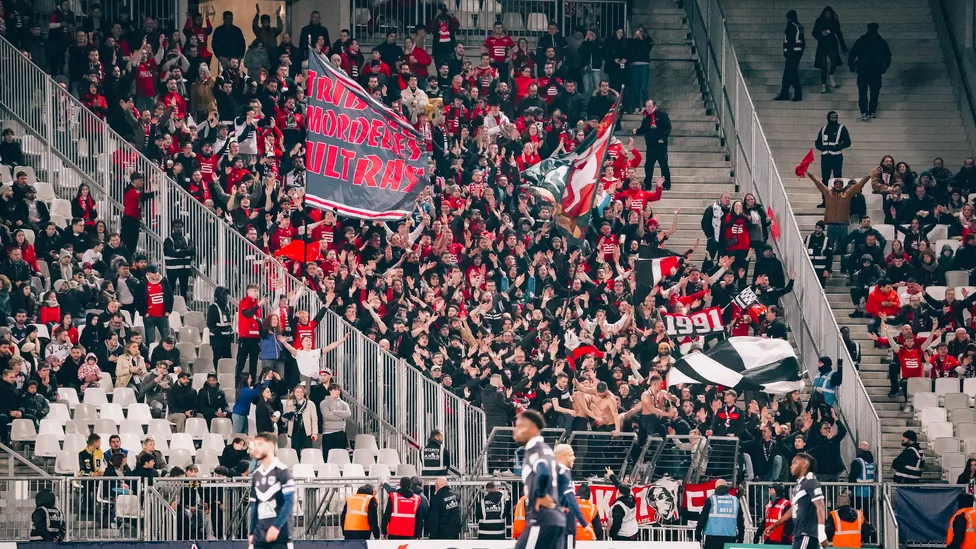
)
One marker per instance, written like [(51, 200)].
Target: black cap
[(910, 435), (154, 269), (135, 175)]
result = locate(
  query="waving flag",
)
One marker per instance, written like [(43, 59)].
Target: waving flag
[(752, 363), (569, 181), (362, 159)]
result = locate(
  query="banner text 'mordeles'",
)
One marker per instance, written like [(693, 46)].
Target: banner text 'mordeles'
[(371, 170), (362, 131)]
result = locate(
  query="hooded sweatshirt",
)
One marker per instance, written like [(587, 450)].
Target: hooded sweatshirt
[(218, 314)]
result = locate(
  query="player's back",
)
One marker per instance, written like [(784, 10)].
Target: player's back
[(539, 458), (269, 489)]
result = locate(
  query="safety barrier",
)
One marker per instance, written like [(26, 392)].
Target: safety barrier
[(890, 523), (70, 146), (807, 311), (691, 458), (530, 18)]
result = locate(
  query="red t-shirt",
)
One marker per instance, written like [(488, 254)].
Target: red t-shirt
[(498, 48), (154, 300), (146, 78)]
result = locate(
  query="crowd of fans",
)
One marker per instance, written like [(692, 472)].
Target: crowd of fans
[(477, 289)]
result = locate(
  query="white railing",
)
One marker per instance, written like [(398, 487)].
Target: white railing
[(807, 311), (69, 145), (890, 523)]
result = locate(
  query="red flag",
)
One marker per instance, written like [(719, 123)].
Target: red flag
[(801, 170), (295, 250), (774, 225)]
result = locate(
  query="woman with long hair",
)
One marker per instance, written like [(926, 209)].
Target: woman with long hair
[(26, 249), (968, 476), (830, 42), (130, 366), (83, 206), (302, 417)]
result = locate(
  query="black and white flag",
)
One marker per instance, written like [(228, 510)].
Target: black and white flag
[(742, 363), (746, 298)]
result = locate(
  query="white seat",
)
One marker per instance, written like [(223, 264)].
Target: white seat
[(969, 446), (312, 456), (50, 426), (208, 457), (213, 441), (199, 380), (380, 470), (969, 386), (85, 414), (139, 411), (388, 456), (936, 292), (226, 366), (47, 446), (66, 463), (954, 401), (124, 396), (289, 457), (938, 429), (966, 430), (74, 442), (924, 399), (28, 171), (6, 177), (96, 396), (957, 278), (59, 412), (159, 428), (188, 351), (131, 426), (106, 426), (328, 470), (942, 445), (300, 470), (932, 415), (918, 384), (939, 232), (196, 427), (962, 415), (72, 426), (190, 334), (512, 21), (354, 470), (62, 207), (180, 457), (23, 430), (112, 411), (222, 426), (887, 231), (363, 457), (127, 507), (131, 442), (337, 456), (182, 441), (406, 470), (952, 460), (179, 305), (366, 442), (162, 445), (45, 192), (539, 22), (29, 237), (945, 385)]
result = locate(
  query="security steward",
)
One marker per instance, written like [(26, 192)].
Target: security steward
[(436, 459), (591, 513), (359, 517), (962, 527), (47, 521), (722, 520), (863, 473), (908, 465), (794, 42), (403, 518), (491, 513), (775, 508), (846, 526), (831, 142), (444, 518), (518, 518)]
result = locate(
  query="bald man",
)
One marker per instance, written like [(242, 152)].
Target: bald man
[(565, 458), (444, 518), (863, 474)]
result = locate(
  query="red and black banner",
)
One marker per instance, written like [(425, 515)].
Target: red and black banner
[(363, 160), (704, 322)]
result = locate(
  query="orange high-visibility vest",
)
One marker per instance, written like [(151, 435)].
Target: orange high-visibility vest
[(518, 519), (357, 517), (590, 513), (847, 534), (403, 519), (969, 542)]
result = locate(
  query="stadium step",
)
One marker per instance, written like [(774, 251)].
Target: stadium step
[(916, 98)]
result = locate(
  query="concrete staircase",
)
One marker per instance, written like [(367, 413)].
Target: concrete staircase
[(918, 120)]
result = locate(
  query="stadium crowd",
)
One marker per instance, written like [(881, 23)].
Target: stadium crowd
[(477, 289)]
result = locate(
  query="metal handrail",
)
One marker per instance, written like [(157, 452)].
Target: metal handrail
[(14, 457), (808, 312), (890, 522), (60, 123)]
